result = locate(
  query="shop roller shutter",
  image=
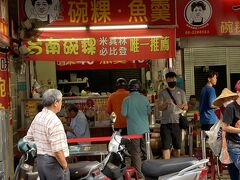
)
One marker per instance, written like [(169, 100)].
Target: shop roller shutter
[(188, 70), (201, 57), (209, 56), (234, 59)]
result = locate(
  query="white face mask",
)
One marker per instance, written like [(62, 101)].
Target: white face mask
[(227, 103)]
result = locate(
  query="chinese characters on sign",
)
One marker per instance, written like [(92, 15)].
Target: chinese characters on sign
[(4, 80), (77, 65), (230, 27), (96, 12), (208, 18), (131, 45)]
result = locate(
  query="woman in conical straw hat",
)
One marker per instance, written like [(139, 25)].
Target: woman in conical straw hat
[(225, 98), (230, 117)]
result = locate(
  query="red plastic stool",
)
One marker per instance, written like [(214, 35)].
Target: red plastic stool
[(130, 173)]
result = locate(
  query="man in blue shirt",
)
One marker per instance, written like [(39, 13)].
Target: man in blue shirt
[(79, 125), (207, 96), (136, 109)]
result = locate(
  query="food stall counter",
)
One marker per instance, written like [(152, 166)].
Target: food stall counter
[(88, 150)]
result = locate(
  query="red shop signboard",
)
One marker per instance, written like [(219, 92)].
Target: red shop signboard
[(78, 65), (99, 12), (4, 82), (208, 18), (127, 45)]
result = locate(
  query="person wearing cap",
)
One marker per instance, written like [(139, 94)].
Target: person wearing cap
[(114, 104), (222, 101), (230, 117), (136, 108), (207, 96)]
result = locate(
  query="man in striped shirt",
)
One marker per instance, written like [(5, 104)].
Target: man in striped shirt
[(47, 132)]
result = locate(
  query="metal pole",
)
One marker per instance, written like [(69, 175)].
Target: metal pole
[(203, 141), (148, 145), (190, 138)]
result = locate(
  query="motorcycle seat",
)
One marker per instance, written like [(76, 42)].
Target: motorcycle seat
[(81, 169), (160, 167)]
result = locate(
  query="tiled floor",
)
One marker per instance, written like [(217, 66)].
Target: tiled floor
[(224, 176)]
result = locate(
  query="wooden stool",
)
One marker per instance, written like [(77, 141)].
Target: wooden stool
[(130, 173)]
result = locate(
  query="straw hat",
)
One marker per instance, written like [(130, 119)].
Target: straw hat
[(226, 93)]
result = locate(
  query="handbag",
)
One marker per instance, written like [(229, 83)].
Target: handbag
[(183, 121)]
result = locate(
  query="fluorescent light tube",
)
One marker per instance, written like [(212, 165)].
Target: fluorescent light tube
[(137, 26), (80, 28), (77, 28)]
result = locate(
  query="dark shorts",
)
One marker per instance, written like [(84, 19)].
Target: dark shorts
[(206, 127), (171, 136)]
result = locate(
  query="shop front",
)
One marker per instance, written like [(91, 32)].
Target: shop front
[(213, 43), (82, 52)]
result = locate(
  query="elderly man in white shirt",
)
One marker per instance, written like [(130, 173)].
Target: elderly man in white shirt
[(47, 132)]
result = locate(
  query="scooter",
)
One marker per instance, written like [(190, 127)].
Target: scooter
[(183, 168), (26, 169), (112, 167)]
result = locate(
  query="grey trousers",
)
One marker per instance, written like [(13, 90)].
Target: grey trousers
[(138, 153), (49, 169)]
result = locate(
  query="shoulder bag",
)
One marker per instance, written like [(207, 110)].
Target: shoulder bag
[(183, 121)]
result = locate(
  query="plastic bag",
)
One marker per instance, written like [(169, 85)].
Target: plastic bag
[(224, 156), (215, 138)]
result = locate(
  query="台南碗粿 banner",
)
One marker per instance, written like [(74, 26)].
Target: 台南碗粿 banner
[(112, 45)]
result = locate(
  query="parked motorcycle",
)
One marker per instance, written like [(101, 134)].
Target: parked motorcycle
[(112, 167), (114, 164), (26, 169), (183, 168)]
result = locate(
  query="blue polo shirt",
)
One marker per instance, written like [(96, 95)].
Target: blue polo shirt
[(207, 114), (136, 108)]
